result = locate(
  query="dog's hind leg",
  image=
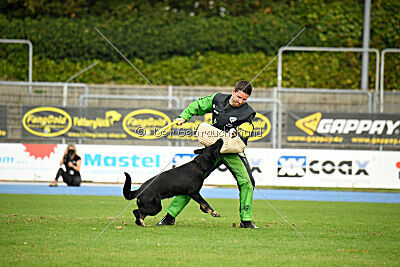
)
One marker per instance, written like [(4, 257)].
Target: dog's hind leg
[(204, 206)]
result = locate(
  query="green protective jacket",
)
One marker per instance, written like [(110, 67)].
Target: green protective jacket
[(199, 107), (224, 116)]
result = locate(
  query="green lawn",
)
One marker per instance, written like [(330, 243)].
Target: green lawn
[(60, 230)]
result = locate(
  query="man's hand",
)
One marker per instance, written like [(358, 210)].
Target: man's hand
[(180, 121)]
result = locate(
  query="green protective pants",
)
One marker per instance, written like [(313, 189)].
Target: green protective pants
[(238, 165)]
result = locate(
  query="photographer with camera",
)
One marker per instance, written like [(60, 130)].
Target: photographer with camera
[(70, 166)]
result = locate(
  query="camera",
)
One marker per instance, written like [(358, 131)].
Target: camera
[(68, 156)]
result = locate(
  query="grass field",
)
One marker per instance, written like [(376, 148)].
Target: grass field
[(60, 230)]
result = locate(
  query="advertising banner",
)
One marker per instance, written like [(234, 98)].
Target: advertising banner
[(102, 163), (3, 121), (102, 123), (272, 167), (342, 128), (336, 168)]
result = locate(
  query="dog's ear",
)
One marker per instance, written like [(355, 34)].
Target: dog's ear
[(199, 151)]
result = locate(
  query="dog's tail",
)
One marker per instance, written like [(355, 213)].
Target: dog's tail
[(128, 194)]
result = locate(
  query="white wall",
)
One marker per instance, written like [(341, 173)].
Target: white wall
[(280, 167)]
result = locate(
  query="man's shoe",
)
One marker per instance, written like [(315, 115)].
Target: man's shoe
[(248, 224), (167, 220)]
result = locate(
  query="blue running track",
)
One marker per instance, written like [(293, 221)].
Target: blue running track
[(207, 192)]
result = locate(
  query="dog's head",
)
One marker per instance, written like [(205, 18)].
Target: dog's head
[(211, 153)]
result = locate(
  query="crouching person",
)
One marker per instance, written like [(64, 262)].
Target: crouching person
[(70, 166)]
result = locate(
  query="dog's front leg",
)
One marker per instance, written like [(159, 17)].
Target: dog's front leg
[(139, 218), (204, 205)]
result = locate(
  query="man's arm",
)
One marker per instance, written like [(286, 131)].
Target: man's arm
[(199, 107)]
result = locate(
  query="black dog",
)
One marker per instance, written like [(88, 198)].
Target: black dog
[(183, 180)]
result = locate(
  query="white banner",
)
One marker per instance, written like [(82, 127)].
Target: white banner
[(275, 167), (336, 168)]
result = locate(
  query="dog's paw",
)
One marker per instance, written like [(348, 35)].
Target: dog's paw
[(140, 222), (215, 214), (203, 209)]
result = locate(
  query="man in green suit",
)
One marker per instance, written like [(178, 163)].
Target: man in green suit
[(228, 111)]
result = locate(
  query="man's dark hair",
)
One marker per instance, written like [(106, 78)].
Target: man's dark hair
[(243, 86)]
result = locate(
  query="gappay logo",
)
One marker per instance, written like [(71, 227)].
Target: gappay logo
[(296, 166), (47, 121), (314, 123)]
